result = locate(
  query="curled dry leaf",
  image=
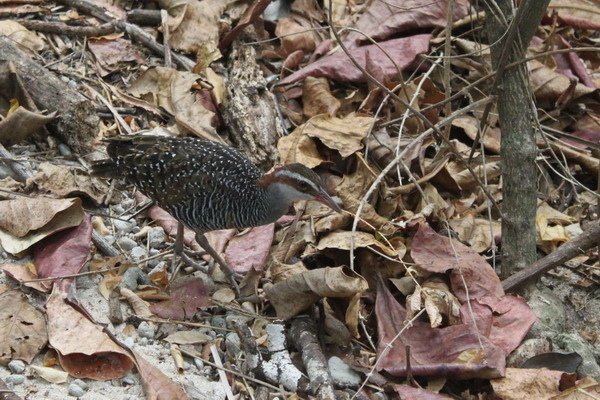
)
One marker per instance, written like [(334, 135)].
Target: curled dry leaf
[(298, 147), (296, 293), (581, 14), (342, 240), (550, 225), (342, 134), (439, 303), (21, 123), (521, 383), (140, 307), (51, 375), (157, 386), (27, 221), (296, 34), (549, 85), (97, 357), (62, 181), (317, 98), (23, 273), (478, 232), (23, 331)]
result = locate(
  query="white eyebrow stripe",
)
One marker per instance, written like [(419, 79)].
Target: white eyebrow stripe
[(296, 176)]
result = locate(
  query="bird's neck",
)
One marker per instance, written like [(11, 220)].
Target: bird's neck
[(279, 198)]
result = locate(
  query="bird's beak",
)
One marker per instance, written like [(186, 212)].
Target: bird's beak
[(325, 198)]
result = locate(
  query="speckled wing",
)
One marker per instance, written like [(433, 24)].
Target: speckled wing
[(184, 173)]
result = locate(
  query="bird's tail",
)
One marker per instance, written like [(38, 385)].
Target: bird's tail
[(104, 168)]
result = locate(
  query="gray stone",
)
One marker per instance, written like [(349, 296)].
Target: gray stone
[(14, 379), (123, 227), (126, 243), (118, 209), (199, 363), (550, 311), (81, 383), (75, 390), (146, 330), (110, 239), (156, 237), (572, 342), (131, 277), (218, 322), (128, 341), (138, 253), (128, 380), (231, 319), (127, 203), (232, 344), (342, 374), (17, 366)]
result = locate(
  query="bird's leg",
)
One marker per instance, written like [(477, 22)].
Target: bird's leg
[(229, 273), (180, 254)]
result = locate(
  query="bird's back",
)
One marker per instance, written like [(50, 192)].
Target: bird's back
[(204, 184)]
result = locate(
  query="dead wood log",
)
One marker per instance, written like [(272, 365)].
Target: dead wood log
[(249, 109), (76, 123)]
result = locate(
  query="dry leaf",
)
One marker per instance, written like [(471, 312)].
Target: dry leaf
[(21, 36), (97, 357), (342, 134), (51, 375), (31, 220), (296, 293), (187, 297), (22, 328), (317, 98), (188, 337)]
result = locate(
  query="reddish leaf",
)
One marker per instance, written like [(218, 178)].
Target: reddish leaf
[(251, 249), (185, 300), (382, 19), (64, 253), (452, 351), (435, 253), (338, 66)]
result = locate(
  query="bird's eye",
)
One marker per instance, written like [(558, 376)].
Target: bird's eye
[(303, 186)]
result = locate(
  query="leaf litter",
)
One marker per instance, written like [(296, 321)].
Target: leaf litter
[(427, 227)]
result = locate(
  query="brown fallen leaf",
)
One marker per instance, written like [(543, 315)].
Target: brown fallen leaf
[(342, 240), (479, 233), (23, 331), (18, 34), (187, 297), (62, 181), (296, 293), (342, 134), (520, 383), (51, 375), (317, 98), (171, 89), (157, 386), (23, 273), (97, 357), (581, 14), (25, 222)]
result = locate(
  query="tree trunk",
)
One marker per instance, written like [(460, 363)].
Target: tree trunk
[(519, 126)]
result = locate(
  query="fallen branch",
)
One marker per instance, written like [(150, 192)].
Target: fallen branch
[(304, 336), (577, 246), (60, 28)]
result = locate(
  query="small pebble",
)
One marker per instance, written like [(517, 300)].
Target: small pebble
[(131, 278), (127, 203), (110, 239), (118, 209), (123, 227), (14, 379), (126, 243), (75, 390), (232, 344), (157, 237), (199, 363), (128, 381), (146, 330), (81, 383), (232, 319), (128, 341), (138, 253), (17, 366), (218, 322), (143, 341)]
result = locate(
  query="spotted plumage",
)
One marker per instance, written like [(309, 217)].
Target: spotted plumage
[(207, 185)]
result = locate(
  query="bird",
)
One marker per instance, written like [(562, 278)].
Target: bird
[(207, 186)]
